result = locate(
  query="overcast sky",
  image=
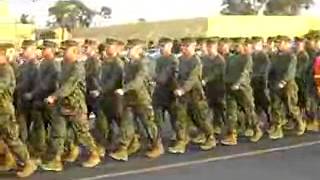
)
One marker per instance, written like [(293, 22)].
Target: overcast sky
[(130, 10)]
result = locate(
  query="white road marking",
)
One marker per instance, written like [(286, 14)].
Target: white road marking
[(196, 162)]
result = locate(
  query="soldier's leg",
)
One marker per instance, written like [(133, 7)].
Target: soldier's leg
[(81, 127), (22, 120), (10, 133), (230, 137), (179, 108), (276, 131), (102, 127), (55, 150), (246, 101), (37, 135), (312, 110), (219, 119), (290, 98)]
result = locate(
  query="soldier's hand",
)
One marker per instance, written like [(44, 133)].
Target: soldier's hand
[(27, 96), (203, 82), (178, 92), (95, 93), (235, 87), (119, 92), (50, 99), (282, 84)]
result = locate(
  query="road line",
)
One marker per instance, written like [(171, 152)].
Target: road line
[(196, 162)]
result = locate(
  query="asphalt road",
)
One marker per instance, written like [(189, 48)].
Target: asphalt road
[(292, 158)]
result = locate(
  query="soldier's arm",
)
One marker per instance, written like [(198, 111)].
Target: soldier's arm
[(68, 86), (266, 65), (246, 72), (138, 80), (291, 70), (193, 78), (7, 80)]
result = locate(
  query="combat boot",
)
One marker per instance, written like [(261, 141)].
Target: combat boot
[(217, 130), (179, 147), (301, 127), (156, 151), (120, 155), (29, 168), (210, 143), (231, 139), (135, 145), (313, 126), (249, 132), (257, 135), (199, 139), (10, 162), (101, 150), (73, 154), (289, 125), (53, 165), (93, 161), (276, 132)]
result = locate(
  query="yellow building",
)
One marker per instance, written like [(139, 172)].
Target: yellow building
[(10, 29)]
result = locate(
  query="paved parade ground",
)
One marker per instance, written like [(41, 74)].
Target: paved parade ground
[(292, 158)]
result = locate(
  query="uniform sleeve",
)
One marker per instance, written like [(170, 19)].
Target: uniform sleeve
[(69, 85), (291, 71), (116, 76), (139, 79), (246, 73), (193, 78), (7, 80)]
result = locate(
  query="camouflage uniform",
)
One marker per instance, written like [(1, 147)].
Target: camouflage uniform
[(285, 98), (303, 65), (259, 82), (213, 77), (71, 110), (110, 104), (163, 96)]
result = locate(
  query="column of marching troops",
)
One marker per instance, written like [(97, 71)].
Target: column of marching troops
[(207, 88)]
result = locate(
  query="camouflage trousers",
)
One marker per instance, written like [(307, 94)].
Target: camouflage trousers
[(109, 111), (284, 104), (131, 116), (195, 109), (9, 133), (261, 96), (302, 93), (65, 127), (241, 99)]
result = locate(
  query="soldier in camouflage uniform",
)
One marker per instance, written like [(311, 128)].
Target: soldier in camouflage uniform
[(42, 114), (213, 81), (70, 109), (110, 104), (26, 82), (191, 102), (284, 90), (137, 104), (9, 129), (259, 81), (239, 94), (165, 71)]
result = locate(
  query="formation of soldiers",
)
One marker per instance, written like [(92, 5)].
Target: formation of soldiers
[(212, 90)]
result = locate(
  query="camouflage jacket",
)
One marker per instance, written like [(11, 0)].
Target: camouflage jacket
[(213, 69), (92, 67), (261, 65), (7, 85), (238, 70)]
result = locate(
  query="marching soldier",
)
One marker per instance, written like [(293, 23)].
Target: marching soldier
[(71, 109), (9, 128)]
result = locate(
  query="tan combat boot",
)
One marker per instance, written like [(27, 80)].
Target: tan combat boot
[(53, 165), (29, 168), (73, 154), (134, 146), (156, 151), (10, 162), (120, 155), (93, 160), (230, 139)]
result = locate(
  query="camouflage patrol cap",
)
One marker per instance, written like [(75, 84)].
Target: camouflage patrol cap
[(48, 44), (111, 41), (135, 42), (299, 39), (201, 40), (69, 43), (4, 47), (90, 42), (27, 43), (256, 39), (283, 38), (188, 40), (164, 40), (212, 40)]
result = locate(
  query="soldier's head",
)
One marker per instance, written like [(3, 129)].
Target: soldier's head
[(257, 43), (136, 48), (165, 45), (112, 47), (212, 46), (188, 46), (29, 50), (299, 44), (71, 51), (49, 49), (248, 46), (90, 47), (317, 43), (224, 46), (283, 43), (202, 45), (5, 52)]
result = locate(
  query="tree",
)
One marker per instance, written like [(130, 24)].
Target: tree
[(73, 13), (267, 7)]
